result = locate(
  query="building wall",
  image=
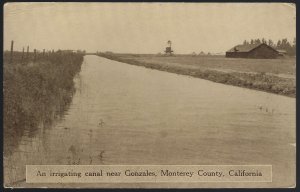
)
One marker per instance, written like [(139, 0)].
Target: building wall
[(263, 52), (237, 54)]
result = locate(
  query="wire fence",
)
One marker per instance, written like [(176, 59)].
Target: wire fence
[(35, 55)]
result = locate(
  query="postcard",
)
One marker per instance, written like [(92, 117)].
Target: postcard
[(149, 95)]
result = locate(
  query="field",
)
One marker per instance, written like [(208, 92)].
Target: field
[(270, 75)]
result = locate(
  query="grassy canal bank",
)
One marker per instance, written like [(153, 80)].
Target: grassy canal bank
[(270, 75), (36, 90)]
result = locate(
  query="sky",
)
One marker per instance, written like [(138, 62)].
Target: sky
[(145, 27)]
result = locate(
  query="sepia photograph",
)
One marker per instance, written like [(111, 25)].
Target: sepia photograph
[(149, 95)]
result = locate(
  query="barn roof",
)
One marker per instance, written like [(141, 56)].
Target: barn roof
[(244, 48)]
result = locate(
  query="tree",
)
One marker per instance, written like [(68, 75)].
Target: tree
[(257, 41), (278, 44), (263, 40), (284, 43), (252, 42), (245, 42), (294, 42), (293, 49), (270, 43)]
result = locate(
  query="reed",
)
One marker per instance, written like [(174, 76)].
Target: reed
[(36, 92)]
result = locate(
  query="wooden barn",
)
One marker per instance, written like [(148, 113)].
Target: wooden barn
[(256, 51)]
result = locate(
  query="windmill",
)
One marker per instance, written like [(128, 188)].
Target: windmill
[(169, 43), (169, 50)]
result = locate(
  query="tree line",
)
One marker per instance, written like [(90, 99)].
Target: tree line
[(282, 44)]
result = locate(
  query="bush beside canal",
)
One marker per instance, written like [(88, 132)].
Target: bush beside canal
[(37, 92), (253, 80)]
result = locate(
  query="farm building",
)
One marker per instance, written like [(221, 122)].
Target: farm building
[(282, 53), (257, 51)]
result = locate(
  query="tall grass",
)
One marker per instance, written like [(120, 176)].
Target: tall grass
[(36, 92)]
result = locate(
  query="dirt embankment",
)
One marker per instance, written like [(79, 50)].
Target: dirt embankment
[(268, 82)]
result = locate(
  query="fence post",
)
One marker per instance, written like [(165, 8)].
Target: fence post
[(27, 56), (22, 55), (34, 58), (11, 51)]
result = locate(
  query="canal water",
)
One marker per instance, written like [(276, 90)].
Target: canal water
[(125, 114)]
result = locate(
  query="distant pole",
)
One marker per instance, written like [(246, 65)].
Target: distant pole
[(11, 51), (34, 55), (22, 55), (27, 57)]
